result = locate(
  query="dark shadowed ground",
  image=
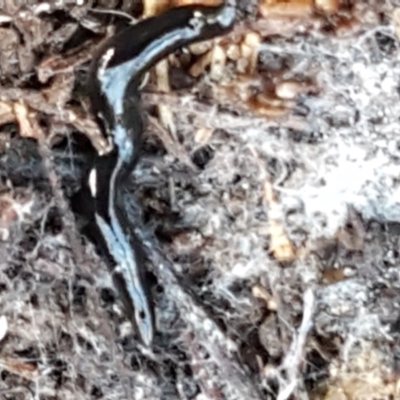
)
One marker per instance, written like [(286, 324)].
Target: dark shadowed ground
[(269, 210)]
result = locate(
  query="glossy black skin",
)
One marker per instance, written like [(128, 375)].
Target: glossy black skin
[(115, 75)]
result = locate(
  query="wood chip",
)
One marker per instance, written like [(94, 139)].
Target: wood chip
[(6, 113), (284, 8), (24, 121)]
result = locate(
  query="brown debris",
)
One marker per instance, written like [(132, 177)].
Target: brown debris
[(284, 8), (37, 101), (211, 3), (152, 7), (280, 245), (260, 292), (229, 184), (58, 64), (6, 113), (352, 236), (8, 51), (23, 369), (363, 376), (328, 6), (24, 119)]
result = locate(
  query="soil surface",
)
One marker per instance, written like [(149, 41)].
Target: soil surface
[(268, 206)]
